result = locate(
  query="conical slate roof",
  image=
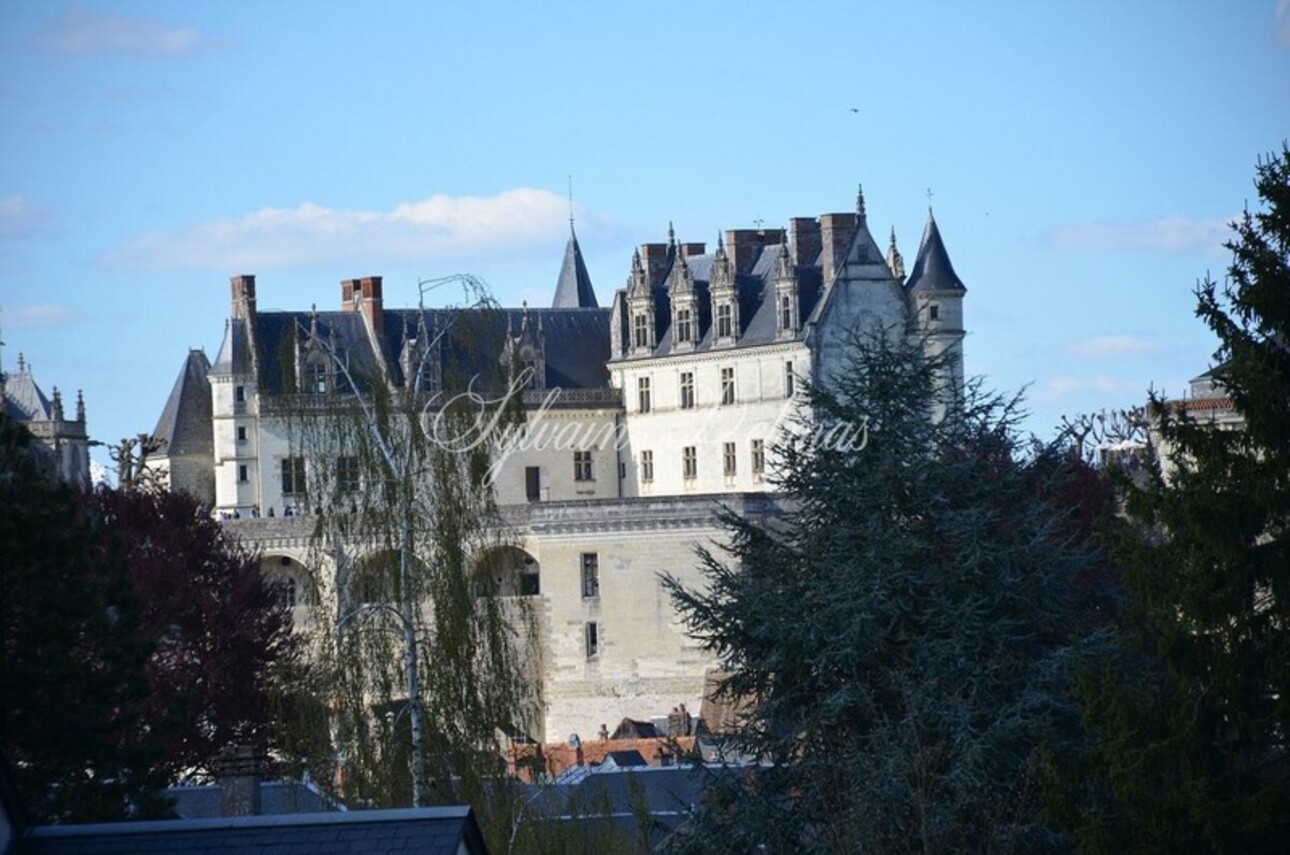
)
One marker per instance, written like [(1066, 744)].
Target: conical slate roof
[(932, 269), (185, 423), (573, 290), (23, 399)]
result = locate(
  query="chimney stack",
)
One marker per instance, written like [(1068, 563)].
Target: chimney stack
[(655, 257), (237, 772), (836, 232), (804, 237), (243, 295), (364, 295)]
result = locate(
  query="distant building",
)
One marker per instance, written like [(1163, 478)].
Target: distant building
[(684, 382), (64, 441)]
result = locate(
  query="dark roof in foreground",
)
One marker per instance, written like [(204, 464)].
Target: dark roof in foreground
[(446, 830)]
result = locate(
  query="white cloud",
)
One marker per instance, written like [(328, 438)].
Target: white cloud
[(85, 32), (18, 217), (1062, 386), (436, 228), (1108, 346), (36, 316), (1168, 235)]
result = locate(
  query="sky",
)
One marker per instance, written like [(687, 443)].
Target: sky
[(1083, 160)]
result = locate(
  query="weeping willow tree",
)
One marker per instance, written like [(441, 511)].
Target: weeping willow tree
[(421, 663)]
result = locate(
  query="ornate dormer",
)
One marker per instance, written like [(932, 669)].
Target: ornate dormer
[(787, 302), (317, 368), (640, 309), (725, 297), (528, 350), (685, 303), (420, 356), (895, 262)]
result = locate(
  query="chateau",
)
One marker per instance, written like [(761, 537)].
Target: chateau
[(63, 442), (683, 381)]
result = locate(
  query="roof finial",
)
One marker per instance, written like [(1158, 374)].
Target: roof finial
[(80, 405), (929, 201), (860, 200), (22, 362), (893, 237), (671, 234), (570, 204)]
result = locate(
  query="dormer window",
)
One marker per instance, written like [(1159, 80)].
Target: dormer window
[(684, 325), (785, 313), (725, 321), (640, 330), (318, 378)]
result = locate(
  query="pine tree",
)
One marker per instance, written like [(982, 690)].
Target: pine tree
[(903, 632), (1190, 718)]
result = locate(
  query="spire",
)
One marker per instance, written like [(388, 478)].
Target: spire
[(573, 289), (80, 406), (860, 201), (895, 261), (671, 236), (932, 269)]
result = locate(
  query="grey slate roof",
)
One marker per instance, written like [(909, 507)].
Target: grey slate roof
[(185, 422), (573, 289), (23, 400), (276, 797), (446, 830), (757, 321), (932, 270)]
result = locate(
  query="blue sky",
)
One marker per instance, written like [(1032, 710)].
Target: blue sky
[(1083, 159)]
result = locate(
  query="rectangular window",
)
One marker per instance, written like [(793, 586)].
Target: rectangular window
[(689, 463), (532, 483), (243, 474), (641, 330), (241, 434), (687, 390), (785, 313), (725, 321), (934, 312), (758, 459), (318, 378), (582, 466), (293, 476), (347, 475), (239, 394), (590, 575), (592, 635), (684, 325), (727, 386), (647, 467), (642, 393), (728, 457), (790, 380)]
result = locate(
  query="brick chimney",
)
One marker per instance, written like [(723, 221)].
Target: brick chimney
[(654, 257), (836, 232), (804, 237), (369, 291), (237, 773), (744, 245), (348, 288), (690, 250), (243, 295)]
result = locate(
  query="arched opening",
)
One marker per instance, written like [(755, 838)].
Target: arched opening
[(508, 571), (289, 576), (374, 579)]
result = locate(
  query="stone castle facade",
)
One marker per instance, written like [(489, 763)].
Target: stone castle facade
[(63, 441), (683, 381)]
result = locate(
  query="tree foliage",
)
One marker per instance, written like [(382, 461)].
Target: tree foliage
[(905, 630), (419, 665), (138, 641), (1190, 716)]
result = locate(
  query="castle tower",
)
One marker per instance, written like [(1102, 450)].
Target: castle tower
[(935, 294)]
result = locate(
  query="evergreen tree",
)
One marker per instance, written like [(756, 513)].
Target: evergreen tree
[(1190, 717), (903, 631)]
